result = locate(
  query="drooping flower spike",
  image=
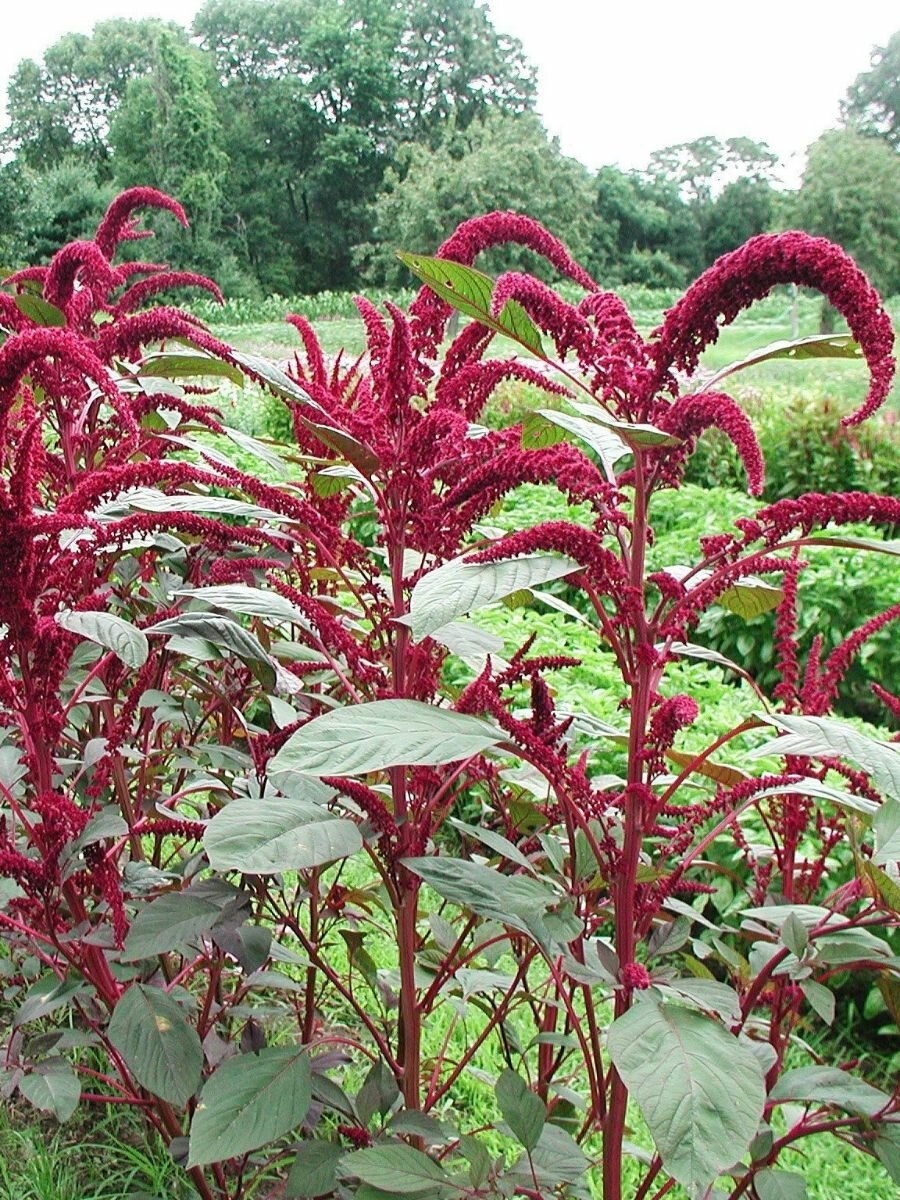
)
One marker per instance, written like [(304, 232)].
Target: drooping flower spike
[(118, 224), (749, 273)]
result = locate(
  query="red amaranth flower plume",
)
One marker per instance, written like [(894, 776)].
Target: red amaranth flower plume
[(471, 238), (689, 416), (118, 224), (738, 278)]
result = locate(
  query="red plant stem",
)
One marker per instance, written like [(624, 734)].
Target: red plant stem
[(626, 883)]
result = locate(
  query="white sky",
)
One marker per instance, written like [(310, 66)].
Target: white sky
[(617, 79)]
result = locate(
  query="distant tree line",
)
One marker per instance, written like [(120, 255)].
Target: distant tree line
[(310, 138)]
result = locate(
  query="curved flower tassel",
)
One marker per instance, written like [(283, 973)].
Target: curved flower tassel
[(736, 279)]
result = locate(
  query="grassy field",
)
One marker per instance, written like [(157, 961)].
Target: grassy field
[(104, 1154)]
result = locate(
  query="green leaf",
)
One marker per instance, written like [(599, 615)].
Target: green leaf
[(379, 1092), (314, 1170), (635, 435), (829, 345), (821, 791), (517, 901), (779, 1185), (887, 1149), (39, 310), (707, 1111), (113, 633), (274, 379), (823, 736), (555, 1160), (52, 1087), (189, 366), (397, 1169), (820, 999), (494, 841), (226, 635), (605, 443), (362, 457), (151, 500), (161, 1049), (168, 922), (251, 601), (469, 292), (277, 833), (751, 597), (827, 1085), (457, 587), (522, 1110), (846, 540), (382, 733), (748, 598), (45, 996), (886, 824), (248, 1101)]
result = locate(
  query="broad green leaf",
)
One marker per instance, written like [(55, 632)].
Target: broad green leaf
[(887, 1149), (469, 291), (828, 345), (274, 379), (701, 1090), (251, 601), (646, 436), (314, 1170), (849, 542), (45, 996), (605, 443), (471, 644), (349, 447), (522, 1110), (748, 598), (821, 791), (494, 841), (397, 1169), (517, 901), (127, 642), (516, 323), (383, 733), (167, 923), (39, 310), (827, 1085), (824, 737), (556, 1159), (160, 1048), (886, 824), (458, 588), (708, 994), (151, 500), (751, 597), (52, 1087), (189, 366), (277, 833), (248, 1101), (779, 1185), (820, 999), (227, 635)]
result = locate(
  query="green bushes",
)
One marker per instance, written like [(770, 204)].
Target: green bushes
[(806, 448)]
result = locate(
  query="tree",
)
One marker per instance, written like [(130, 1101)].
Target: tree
[(65, 105), (872, 103), (316, 98), (849, 194), (643, 231), (701, 168), (167, 133), (503, 162)]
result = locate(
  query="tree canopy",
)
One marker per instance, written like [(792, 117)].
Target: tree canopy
[(310, 138)]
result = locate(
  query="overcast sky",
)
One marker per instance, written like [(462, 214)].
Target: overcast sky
[(619, 80)]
